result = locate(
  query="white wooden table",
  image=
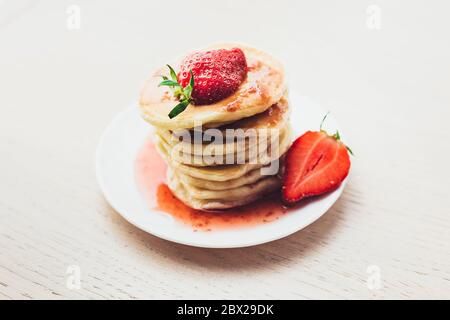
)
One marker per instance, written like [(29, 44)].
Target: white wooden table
[(387, 237)]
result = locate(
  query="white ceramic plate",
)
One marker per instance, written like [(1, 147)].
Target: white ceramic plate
[(115, 160)]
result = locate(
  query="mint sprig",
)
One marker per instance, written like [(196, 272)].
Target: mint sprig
[(180, 93)]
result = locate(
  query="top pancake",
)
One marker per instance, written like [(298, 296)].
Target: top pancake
[(263, 87)]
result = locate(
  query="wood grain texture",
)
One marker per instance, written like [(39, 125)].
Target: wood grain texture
[(388, 89)]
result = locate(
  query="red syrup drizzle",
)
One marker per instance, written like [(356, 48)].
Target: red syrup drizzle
[(150, 171)]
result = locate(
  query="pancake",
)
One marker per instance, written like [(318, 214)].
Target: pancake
[(249, 178), (263, 87), (213, 154), (184, 195), (276, 117), (225, 172), (247, 190), (220, 147)]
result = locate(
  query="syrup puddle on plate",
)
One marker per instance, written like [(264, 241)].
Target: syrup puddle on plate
[(150, 171)]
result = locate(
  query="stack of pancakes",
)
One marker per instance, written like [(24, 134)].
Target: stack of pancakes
[(225, 154)]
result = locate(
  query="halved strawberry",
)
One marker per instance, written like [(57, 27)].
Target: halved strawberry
[(316, 163)]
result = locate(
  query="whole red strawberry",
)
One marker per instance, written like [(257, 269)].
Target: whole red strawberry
[(217, 74), (316, 163)]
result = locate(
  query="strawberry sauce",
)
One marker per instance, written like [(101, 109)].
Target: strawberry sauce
[(150, 171)]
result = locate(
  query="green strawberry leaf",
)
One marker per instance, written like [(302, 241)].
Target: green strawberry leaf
[(349, 150), (337, 136), (323, 120), (191, 81), (180, 93), (187, 91), (179, 108), (173, 74), (169, 83)]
